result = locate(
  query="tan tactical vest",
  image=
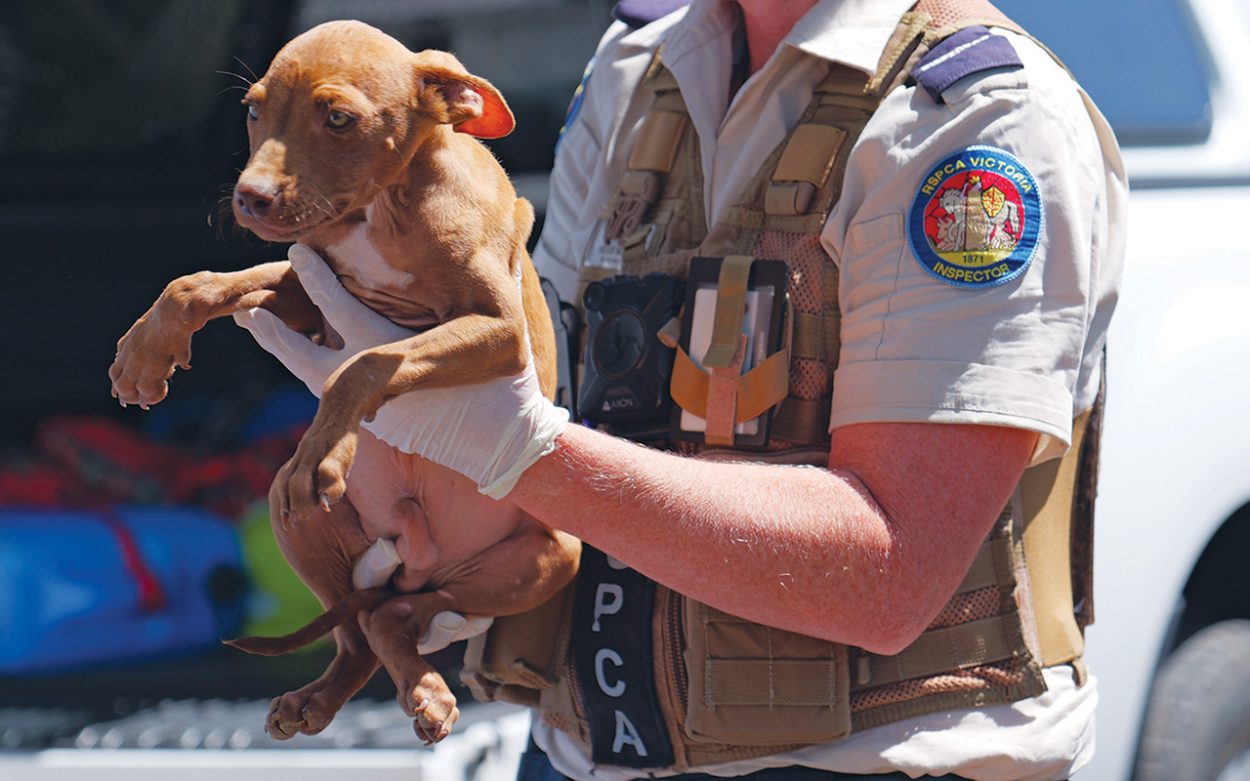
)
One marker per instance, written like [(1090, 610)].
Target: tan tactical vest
[(730, 689)]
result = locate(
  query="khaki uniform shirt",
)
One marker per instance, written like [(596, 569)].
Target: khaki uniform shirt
[(915, 347)]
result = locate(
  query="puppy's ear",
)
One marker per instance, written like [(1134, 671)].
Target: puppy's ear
[(451, 95)]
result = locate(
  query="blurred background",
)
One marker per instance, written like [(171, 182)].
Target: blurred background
[(130, 542)]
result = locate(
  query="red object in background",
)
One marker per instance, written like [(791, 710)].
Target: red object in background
[(151, 595), (86, 462), (110, 457), (45, 485)]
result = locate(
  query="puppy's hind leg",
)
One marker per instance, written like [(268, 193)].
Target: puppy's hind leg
[(322, 551), (392, 631)]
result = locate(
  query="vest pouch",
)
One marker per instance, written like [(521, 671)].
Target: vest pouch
[(520, 655), (754, 685), (733, 357)]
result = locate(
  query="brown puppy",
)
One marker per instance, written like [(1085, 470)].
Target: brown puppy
[(363, 151)]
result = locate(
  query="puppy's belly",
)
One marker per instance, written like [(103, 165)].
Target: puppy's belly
[(437, 518), (385, 502)]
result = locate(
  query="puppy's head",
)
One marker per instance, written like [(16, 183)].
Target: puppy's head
[(338, 117)]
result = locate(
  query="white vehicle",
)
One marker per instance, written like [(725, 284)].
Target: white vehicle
[(1171, 642)]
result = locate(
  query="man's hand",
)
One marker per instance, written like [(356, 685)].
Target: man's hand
[(490, 432)]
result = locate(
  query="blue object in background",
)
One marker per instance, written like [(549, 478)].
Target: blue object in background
[(285, 407), (1143, 62), (218, 423), (83, 587)]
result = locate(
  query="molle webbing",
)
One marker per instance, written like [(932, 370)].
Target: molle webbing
[(657, 217), (977, 642), (949, 16), (1001, 649), (974, 653), (780, 215)]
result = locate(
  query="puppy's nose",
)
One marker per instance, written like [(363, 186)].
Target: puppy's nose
[(253, 199)]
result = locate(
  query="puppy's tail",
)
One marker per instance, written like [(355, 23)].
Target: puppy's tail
[(343, 611)]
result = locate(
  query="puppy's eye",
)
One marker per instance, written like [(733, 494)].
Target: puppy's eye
[(252, 113), (338, 120)]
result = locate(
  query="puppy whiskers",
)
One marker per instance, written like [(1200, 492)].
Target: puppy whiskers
[(248, 67)]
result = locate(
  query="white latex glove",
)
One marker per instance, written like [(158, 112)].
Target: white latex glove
[(311, 363), (375, 567), (448, 627), (490, 432)]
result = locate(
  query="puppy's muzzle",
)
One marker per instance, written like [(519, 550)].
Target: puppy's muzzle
[(253, 199)]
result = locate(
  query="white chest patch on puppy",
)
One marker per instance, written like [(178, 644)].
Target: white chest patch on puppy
[(356, 256)]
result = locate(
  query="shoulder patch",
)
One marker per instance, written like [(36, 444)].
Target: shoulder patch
[(976, 218), (575, 105), (969, 51)]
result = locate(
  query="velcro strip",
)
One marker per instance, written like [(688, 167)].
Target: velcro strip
[(772, 682)]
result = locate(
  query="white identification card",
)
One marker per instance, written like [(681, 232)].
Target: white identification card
[(603, 253)]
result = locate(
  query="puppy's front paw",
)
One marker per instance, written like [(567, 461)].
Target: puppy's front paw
[(146, 358), (317, 474)]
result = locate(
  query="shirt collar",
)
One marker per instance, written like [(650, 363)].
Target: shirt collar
[(851, 32)]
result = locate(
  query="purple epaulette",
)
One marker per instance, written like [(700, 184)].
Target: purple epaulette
[(637, 13), (969, 51)]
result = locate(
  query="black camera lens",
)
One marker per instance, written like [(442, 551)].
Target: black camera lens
[(620, 344), (594, 295)]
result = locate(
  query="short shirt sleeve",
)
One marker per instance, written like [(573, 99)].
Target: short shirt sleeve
[(579, 155), (590, 159), (966, 240)]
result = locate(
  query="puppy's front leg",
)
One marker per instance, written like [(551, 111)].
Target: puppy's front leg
[(467, 350), (160, 340)]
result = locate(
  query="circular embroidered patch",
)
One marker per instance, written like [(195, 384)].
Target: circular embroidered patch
[(976, 218), (575, 105)]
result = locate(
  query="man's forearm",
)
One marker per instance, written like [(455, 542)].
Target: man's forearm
[(801, 548)]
